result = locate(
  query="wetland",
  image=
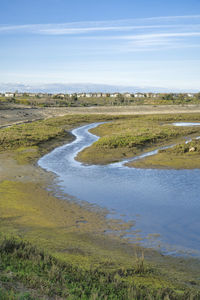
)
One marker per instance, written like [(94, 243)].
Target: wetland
[(57, 214)]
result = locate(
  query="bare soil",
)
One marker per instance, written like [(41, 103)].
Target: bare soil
[(17, 114)]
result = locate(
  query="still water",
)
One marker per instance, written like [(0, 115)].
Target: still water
[(162, 202)]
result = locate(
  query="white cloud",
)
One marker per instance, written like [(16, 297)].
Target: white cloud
[(158, 35), (74, 28)]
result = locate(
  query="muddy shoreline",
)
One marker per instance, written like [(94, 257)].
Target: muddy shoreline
[(22, 114)]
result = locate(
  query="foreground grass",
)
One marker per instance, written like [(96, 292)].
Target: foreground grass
[(40, 274), (76, 236), (68, 229), (126, 138)]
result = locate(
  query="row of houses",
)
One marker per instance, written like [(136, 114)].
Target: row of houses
[(78, 95), (95, 95), (125, 95)]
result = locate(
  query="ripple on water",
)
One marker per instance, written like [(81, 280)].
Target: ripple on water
[(163, 202)]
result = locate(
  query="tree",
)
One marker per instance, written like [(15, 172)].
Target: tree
[(198, 96), (120, 98), (168, 97), (74, 97)]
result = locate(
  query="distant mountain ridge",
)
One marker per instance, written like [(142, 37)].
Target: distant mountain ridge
[(81, 88)]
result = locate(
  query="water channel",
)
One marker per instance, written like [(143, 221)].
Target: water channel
[(163, 203)]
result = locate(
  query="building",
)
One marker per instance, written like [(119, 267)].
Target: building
[(190, 95), (99, 95), (81, 95), (127, 95), (139, 95), (7, 95), (114, 95), (88, 95), (149, 95), (105, 95)]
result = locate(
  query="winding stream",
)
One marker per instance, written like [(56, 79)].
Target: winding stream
[(163, 202)]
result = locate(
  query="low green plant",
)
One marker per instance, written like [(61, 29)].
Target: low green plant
[(46, 275)]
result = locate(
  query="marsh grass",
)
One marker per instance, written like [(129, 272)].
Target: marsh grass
[(182, 156), (48, 276), (30, 141), (126, 138)]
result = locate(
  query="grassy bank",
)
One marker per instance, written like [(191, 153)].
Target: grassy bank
[(181, 156), (75, 236), (123, 139), (32, 140), (70, 230)]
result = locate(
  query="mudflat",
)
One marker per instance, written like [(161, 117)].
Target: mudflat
[(17, 114)]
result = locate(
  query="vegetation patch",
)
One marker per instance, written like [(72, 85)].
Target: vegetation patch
[(48, 276), (126, 138), (67, 228), (30, 141), (181, 156)]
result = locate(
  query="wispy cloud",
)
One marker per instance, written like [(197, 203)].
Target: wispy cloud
[(68, 29), (112, 25), (145, 34)]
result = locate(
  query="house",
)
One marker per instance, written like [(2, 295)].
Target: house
[(127, 95), (7, 95), (149, 95), (105, 95), (155, 95), (81, 95), (114, 95), (88, 95), (99, 95), (139, 95), (190, 95)]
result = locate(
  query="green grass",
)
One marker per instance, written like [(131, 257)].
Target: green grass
[(127, 138), (32, 140), (35, 133), (181, 156), (191, 148), (46, 275)]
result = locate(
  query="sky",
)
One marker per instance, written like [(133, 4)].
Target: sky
[(146, 43)]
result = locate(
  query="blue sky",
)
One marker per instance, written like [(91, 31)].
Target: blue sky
[(131, 42)]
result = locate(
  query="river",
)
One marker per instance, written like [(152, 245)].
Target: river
[(163, 203)]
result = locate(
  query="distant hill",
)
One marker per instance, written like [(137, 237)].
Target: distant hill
[(82, 87)]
